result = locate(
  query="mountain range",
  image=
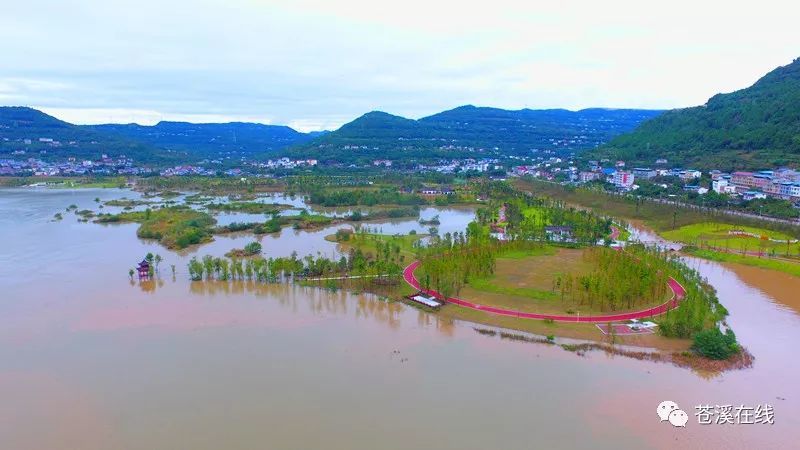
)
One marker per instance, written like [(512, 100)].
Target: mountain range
[(209, 140), (460, 132), (26, 132), (472, 131), (755, 127), (751, 128)]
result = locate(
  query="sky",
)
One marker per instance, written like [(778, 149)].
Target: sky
[(318, 64)]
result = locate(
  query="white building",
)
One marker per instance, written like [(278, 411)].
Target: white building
[(622, 179), (723, 186)]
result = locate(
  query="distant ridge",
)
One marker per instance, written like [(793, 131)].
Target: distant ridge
[(465, 131), (39, 135), (210, 140), (472, 131)]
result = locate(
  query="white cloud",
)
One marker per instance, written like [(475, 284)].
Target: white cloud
[(319, 63)]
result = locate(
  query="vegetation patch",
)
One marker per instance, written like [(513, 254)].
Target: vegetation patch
[(745, 239), (252, 249), (124, 202), (363, 197), (779, 264), (715, 344), (175, 227), (247, 207)]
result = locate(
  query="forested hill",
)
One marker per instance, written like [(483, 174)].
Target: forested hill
[(210, 140), (39, 135), (471, 131), (755, 127)]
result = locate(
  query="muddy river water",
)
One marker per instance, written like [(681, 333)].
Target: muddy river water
[(92, 360)]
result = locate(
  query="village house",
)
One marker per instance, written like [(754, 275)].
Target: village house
[(644, 173), (559, 233), (622, 179)]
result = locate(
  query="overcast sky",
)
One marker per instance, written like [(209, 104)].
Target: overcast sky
[(317, 64)]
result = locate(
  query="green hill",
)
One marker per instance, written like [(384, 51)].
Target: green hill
[(470, 131), (751, 128), (41, 136), (209, 140)]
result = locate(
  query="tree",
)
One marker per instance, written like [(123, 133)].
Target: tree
[(714, 344), (253, 248)]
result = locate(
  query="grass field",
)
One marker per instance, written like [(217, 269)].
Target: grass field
[(782, 265), (524, 281), (718, 235)]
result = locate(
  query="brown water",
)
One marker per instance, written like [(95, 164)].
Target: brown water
[(89, 360)]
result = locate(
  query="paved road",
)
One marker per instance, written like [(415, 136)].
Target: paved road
[(614, 233), (678, 293)]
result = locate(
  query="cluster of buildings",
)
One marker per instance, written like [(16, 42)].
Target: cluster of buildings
[(185, 170), (781, 183), (284, 163), (623, 179), (462, 165), (71, 167)]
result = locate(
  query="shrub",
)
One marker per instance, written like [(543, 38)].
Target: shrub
[(343, 234), (715, 344), (253, 248)]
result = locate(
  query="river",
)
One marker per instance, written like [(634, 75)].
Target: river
[(92, 360)]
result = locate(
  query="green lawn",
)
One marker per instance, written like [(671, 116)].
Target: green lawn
[(544, 250), (491, 285), (765, 263), (717, 235)]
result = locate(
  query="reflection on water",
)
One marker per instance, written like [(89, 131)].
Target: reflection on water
[(90, 359)]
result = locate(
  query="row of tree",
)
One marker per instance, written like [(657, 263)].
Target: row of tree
[(385, 261), (619, 280)]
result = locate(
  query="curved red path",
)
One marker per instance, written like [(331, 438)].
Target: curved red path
[(678, 293)]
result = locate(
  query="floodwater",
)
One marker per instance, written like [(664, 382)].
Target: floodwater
[(91, 360)]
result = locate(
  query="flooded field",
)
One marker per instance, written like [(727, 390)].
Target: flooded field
[(92, 360)]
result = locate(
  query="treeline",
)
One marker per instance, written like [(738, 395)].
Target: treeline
[(385, 261), (362, 197), (209, 185), (247, 207), (619, 280), (770, 207), (389, 213), (700, 310), (302, 221), (305, 220)]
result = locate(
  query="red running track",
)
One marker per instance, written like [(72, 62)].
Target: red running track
[(678, 293)]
